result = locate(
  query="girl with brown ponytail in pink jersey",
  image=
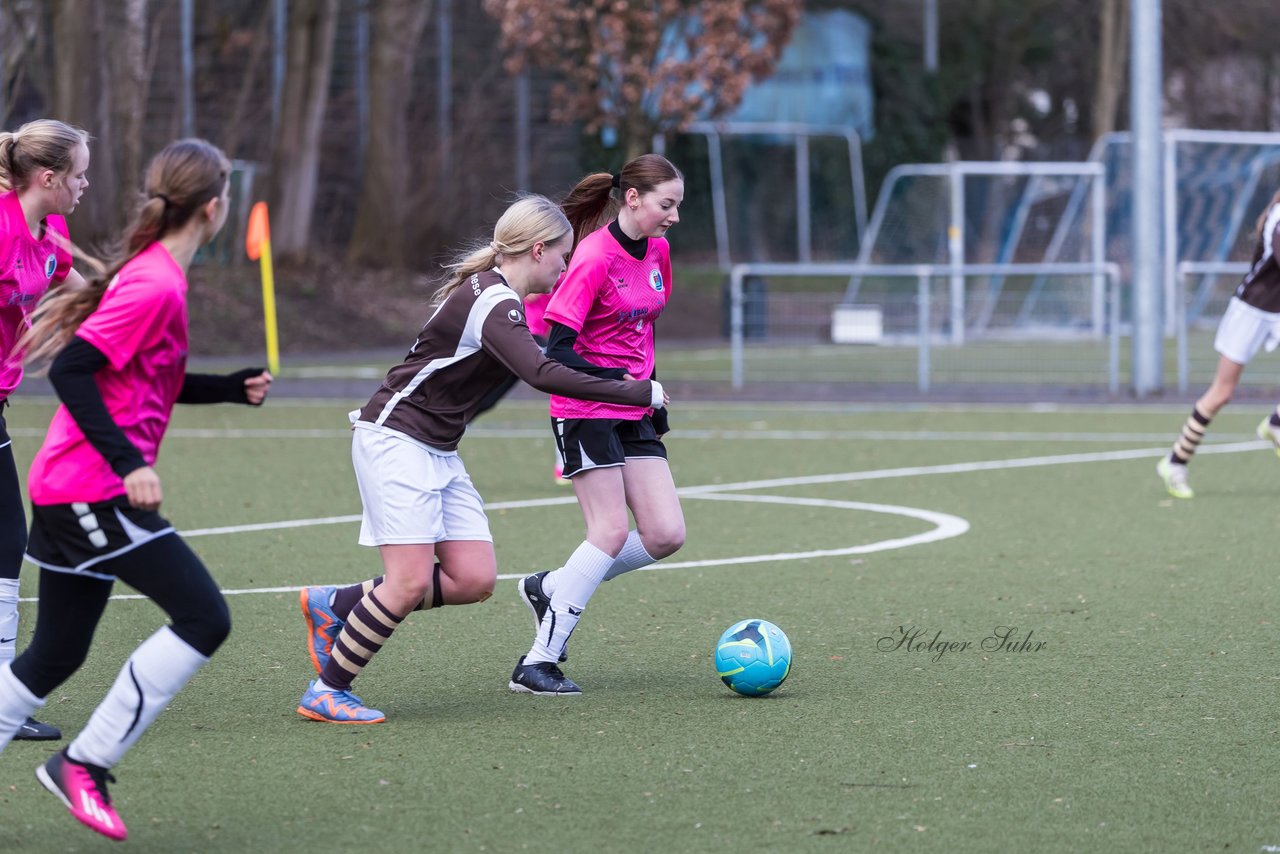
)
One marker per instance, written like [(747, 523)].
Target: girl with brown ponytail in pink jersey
[(601, 316), (119, 349)]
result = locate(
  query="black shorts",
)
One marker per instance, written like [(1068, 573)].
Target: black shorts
[(84, 538), (596, 443)]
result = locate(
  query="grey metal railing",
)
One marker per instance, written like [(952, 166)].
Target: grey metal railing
[(1105, 279)]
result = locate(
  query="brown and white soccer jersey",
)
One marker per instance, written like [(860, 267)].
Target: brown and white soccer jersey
[(472, 342), (1261, 285), (1252, 318)]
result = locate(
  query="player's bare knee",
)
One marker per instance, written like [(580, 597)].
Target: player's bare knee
[(667, 546), (664, 543), (480, 585), (403, 595), (609, 539)]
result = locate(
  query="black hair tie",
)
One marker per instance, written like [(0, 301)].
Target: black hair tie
[(617, 180), (162, 197)]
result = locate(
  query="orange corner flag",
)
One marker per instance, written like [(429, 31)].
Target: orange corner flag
[(258, 233)]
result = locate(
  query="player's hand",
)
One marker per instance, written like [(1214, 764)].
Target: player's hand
[(256, 388), (143, 488), (659, 397)]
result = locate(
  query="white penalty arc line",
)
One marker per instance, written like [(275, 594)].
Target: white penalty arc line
[(945, 527)]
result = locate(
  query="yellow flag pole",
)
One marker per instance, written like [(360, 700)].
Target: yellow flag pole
[(258, 246), (269, 309)]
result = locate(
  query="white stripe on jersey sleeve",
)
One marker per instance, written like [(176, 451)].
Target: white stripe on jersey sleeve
[(484, 306), (1269, 231), (468, 344)]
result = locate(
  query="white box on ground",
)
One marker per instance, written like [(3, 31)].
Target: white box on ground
[(857, 324)]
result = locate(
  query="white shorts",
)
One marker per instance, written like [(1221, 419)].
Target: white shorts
[(413, 493), (1243, 329)]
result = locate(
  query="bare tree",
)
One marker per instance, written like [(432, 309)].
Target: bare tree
[(644, 68), (380, 229), (99, 84), (250, 83), (295, 160), (1113, 67)]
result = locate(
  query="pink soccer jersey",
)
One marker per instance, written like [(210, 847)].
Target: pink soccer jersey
[(612, 300), (141, 327), (27, 267)]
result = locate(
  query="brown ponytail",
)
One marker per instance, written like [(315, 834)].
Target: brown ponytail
[(180, 180), (590, 204)]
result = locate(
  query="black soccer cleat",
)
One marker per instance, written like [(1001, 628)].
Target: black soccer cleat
[(544, 679), (530, 588), (33, 730)]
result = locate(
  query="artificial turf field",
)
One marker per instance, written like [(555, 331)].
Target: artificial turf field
[(1145, 720)]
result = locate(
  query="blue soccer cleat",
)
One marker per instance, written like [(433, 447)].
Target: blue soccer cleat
[(322, 624), (336, 707)]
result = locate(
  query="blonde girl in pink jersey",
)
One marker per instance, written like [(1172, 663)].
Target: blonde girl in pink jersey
[(602, 314), (119, 349), (43, 167)]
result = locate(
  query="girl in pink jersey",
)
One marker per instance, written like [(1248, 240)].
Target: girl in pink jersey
[(42, 175), (120, 365), (603, 312), (420, 508)]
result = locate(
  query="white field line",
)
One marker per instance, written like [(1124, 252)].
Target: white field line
[(716, 491), (341, 405), (963, 468), (705, 433)]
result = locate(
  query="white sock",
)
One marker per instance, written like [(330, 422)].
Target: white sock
[(16, 704), (151, 678), (579, 578), (632, 556), (8, 619)]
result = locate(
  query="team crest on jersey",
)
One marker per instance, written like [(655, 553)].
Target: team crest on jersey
[(655, 280), (50, 264), (514, 316)]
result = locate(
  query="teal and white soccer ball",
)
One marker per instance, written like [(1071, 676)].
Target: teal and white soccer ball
[(753, 657)]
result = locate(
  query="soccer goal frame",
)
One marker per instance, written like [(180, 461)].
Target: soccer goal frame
[(1092, 175)]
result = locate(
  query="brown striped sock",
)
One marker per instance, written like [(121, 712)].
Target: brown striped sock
[(1189, 440), (347, 597), (367, 628)]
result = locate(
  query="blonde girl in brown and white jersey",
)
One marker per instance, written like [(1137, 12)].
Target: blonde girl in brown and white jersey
[(1251, 321), (420, 508)]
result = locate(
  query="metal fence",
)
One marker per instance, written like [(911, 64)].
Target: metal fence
[(1095, 306)]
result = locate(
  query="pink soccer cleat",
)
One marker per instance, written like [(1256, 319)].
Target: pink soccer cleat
[(83, 788)]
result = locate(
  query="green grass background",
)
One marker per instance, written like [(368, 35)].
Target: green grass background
[(1146, 723)]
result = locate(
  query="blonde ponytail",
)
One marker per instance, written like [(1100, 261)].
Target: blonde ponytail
[(183, 177), (530, 219)]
